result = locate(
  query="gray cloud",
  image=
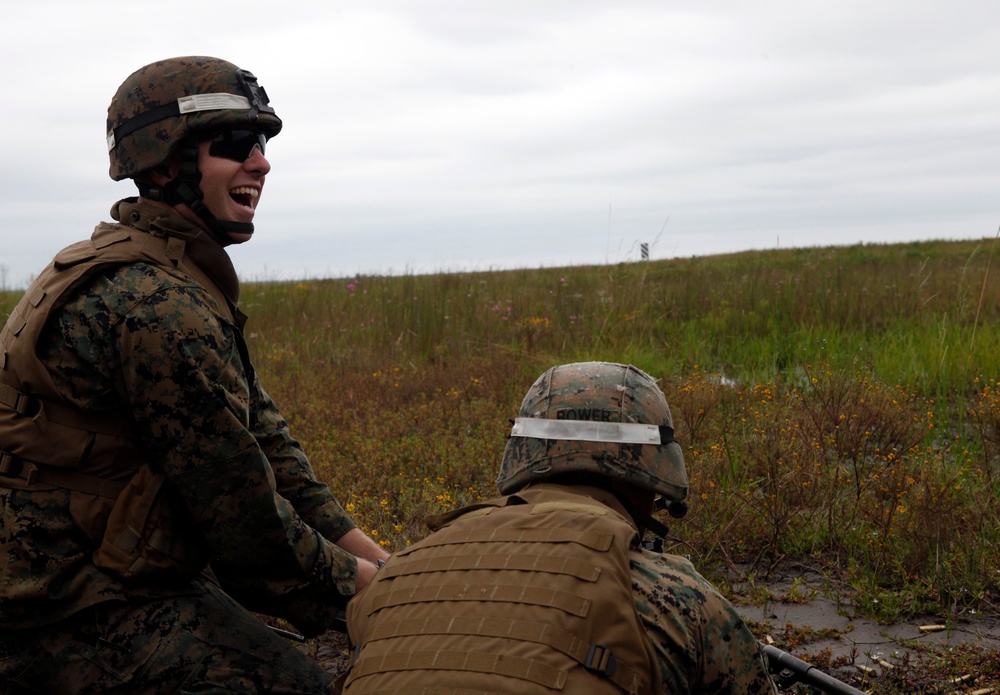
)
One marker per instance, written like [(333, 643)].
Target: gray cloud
[(471, 135)]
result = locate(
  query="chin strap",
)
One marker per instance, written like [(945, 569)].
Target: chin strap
[(647, 522), (185, 188)]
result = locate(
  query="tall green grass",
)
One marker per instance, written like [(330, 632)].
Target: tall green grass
[(911, 311), (838, 407)]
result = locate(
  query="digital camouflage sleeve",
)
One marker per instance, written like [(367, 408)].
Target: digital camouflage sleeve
[(701, 642)]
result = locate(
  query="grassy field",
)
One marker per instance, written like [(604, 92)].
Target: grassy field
[(838, 407)]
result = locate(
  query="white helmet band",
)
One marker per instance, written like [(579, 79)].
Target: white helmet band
[(217, 101), (589, 431)]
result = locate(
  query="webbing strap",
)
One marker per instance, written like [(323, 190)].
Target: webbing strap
[(595, 540), (593, 657), (81, 483), (527, 562), (109, 423), (45, 411), (16, 322), (445, 660), (9, 464), (435, 690), (28, 474), (531, 595), (19, 402)]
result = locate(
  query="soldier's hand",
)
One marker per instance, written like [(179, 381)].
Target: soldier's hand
[(366, 572)]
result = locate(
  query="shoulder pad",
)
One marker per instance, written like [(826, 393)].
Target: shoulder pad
[(71, 255), (104, 235)]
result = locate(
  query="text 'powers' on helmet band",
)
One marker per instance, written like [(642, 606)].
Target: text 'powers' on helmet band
[(589, 431)]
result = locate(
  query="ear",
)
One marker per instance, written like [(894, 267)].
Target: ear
[(643, 499), (160, 175), (152, 181)]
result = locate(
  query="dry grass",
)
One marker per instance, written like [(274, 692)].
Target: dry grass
[(838, 407)]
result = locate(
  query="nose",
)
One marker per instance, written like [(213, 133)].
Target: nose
[(257, 162)]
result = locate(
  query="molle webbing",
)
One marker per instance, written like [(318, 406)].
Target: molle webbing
[(395, 690), (478, 662), (525, 561), (591, 656), (513, 593), (534, 596), (595, 540), (534, 587)]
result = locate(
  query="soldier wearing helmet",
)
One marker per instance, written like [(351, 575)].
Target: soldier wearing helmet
[(549, 588), (151, 494)]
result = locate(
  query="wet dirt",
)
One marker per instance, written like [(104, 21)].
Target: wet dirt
[(825, 622)]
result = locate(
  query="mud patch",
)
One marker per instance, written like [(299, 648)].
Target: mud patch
[(858, 635), (800, 619)]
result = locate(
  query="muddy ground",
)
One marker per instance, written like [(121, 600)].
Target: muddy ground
[(868, 640), (810, 608), (824, 628)]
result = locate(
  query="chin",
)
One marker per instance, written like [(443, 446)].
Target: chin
[(240, 238)]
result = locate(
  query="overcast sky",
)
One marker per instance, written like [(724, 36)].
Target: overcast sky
[(473, 135)]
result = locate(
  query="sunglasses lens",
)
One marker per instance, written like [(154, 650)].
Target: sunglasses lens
[(237, 145)]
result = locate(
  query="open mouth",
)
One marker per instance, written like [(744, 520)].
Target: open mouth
[(244, 195)]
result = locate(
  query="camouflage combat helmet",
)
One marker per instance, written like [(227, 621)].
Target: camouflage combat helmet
[(595, 417), (164, 103), (162, 109)]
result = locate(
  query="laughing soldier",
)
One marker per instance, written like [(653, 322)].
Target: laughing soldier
[(151, 494)]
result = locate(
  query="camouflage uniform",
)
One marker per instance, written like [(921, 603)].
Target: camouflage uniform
[(147, 342), (702, 644), (200, 643)]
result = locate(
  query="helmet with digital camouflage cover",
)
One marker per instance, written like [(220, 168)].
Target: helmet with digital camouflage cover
[(165, 103), (599, 418), (162, 111)]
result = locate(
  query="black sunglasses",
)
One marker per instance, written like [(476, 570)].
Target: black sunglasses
[(237, 145)]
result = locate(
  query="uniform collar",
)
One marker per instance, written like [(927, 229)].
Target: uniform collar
[(199, 247), (604, 497)]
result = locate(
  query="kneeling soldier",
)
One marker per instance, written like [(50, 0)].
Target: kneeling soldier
[(549, 588)]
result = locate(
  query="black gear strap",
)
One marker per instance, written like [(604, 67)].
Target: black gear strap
[(146, 118), (185, 188)]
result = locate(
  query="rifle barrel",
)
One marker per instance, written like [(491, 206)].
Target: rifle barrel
[(797, 670)]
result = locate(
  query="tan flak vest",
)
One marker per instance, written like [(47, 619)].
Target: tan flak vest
[(531, 593), (45, 443)]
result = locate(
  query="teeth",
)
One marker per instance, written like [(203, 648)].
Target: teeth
[(245, 190)]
